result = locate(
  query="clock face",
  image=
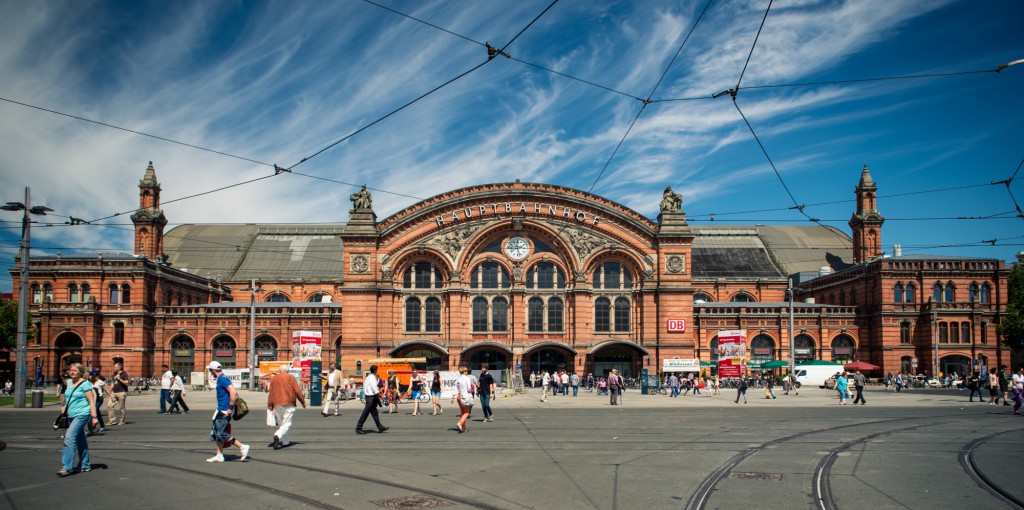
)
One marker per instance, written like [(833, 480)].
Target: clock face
[(517, 248)]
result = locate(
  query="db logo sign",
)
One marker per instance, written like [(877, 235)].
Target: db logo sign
[(676, 325)]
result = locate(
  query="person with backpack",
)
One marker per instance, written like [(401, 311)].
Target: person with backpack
[(220, 427), (741, 390)]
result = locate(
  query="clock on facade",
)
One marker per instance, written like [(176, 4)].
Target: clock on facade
[(517, 248)]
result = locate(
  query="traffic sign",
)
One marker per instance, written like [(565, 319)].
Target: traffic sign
[(914, 360)]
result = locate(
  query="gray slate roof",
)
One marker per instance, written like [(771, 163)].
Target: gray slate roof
[(264, 252), (767, 252)]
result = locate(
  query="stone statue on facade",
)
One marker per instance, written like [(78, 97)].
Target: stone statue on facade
[(361, 200), (671, 201)]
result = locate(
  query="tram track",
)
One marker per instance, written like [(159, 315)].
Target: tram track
[(967, 462)]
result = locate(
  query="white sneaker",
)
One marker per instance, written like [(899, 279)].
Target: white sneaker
[(245, 452), (216, 458)]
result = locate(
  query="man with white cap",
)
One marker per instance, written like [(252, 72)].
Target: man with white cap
[(220, 432)]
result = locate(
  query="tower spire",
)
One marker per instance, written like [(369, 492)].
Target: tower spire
[(149, 220), (866, 222)]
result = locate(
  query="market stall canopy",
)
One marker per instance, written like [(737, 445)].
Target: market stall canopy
[(860, 365), (776, 363), (819, 362)]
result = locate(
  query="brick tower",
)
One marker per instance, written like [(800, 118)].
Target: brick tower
[(149, 220), (866, 223)]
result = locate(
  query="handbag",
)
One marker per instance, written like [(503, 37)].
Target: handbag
[(241, 409), (62, 421)]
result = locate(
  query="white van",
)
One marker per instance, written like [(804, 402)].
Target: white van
[(815, 375)]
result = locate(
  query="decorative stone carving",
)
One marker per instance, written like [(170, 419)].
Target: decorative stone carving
[(675, 264), (517, 272), (671, 201), (360, 264), (451, 242), (648, 274), (580, 276), (582, 241), (362, 200), (385, 273)]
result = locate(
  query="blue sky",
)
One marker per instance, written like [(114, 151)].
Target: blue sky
[(277, 81)]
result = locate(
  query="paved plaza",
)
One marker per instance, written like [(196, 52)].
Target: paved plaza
[(927, 449)]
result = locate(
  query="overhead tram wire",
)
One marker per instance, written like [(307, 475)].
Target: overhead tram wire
[(648, 101), (431, 91), (1008, 182)]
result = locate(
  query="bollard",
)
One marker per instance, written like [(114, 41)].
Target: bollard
[(37, 398)]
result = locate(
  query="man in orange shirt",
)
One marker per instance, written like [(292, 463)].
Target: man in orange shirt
[(284, 391)]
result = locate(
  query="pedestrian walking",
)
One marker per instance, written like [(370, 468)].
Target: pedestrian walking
[(993, 386), (574, 380), (487, 386), (96, 380), (165, 388), (769, 387), (841, 387), (415, 389), (545, 382), (974, 384), (371, 393), (741, 390), (614, 382), (673, 385), (392, 392), (435, 393), (464, 396), (220, 425), (178, 404), (1004, 384), (334, 390), (281, 397), (62, 386), (1018, 390), (858, 384), (564, 380), (81, 410), (118, 405)]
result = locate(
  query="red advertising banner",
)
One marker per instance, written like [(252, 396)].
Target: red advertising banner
[(732, 351), (306, 346)]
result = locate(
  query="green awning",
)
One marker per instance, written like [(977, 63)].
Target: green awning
[(818, 362), (778, 363)]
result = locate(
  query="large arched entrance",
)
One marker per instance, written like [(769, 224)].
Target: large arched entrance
[(69, 350), (183, 359), (956, 363), (494, 357), (803, 349), (625, 356), (437, 358), (548, 359), (842, 349), (266, 348), (762, 349), (223, 348)]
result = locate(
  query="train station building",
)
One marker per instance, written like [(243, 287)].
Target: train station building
[(526, 275)]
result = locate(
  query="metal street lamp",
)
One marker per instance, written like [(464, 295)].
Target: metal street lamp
[(253, 365), (20, 375)]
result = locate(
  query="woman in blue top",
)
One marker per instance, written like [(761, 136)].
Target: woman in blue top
[(841, 386), (80, 406)]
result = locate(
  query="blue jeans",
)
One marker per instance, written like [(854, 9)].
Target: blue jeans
[(485, 402), (165, 397), (575, 390), (74, 440)]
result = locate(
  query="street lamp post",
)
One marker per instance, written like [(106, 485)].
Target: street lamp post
[(792, 357), (20, 376), (253, 365)]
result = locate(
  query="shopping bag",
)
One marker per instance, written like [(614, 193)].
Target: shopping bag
[(271, 418)]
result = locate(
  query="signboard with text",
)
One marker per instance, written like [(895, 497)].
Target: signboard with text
[(732, 350), (676, 325), (680, 365), (306, 346)]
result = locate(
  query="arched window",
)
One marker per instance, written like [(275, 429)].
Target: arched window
[(905, 332), (803, 349), (433, 315), (412, 315), (126, 294), (555, 315), (224, 351), (622, 314), (276, 297), (972, 292), (85, 293), (762, 349), (73, 292), (422, 275), (118, 333), (489, 275), (842, 349), (702, 297), (535, 314), (910, 298), (937, 292), (499, 314), (897, 293), (114, 294), (545, 275), (612, 275), (47, 292), (950, 293), (743, 297), (319, 297), (985, 293), (602, 314), (37, 294), (479, 314), (943, 333)]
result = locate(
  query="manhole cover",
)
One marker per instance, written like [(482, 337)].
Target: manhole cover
[(753, 475), (411, 502)]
